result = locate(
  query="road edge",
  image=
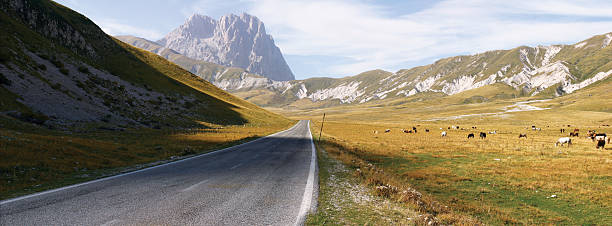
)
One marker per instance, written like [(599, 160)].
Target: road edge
[(311, 191), (7, 201)]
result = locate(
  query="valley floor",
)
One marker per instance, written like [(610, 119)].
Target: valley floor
[(498, 180)]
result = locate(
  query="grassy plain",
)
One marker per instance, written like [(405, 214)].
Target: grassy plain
[(498, 180)]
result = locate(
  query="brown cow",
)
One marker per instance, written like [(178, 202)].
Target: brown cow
[(572, 134), (601, 140), (483, 135)]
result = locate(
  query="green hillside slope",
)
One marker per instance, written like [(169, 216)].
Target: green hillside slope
[(77, 104)]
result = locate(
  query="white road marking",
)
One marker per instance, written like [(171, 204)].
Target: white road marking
[(111, 222), (194, 186), (308, 192), (4, 202), (236, 166)]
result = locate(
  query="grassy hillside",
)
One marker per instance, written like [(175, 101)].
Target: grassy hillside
[(77, 104)]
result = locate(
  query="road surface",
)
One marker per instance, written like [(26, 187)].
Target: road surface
[(269, 181)]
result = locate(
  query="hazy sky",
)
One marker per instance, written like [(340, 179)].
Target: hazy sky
[(336, 38)]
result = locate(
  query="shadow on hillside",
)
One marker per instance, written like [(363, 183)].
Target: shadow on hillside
[(104, 52)]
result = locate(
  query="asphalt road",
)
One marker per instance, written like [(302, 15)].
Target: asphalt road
[(269, 181)]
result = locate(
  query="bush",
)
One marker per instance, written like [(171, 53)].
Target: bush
[(57, 63), (5, 55), (83, 69), (188, 151), (189, 105), (44, 56), (30, 117), (42, 67), (4, 80), (64, 71), (56, 86)]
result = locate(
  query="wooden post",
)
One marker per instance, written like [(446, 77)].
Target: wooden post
[(321, 133)]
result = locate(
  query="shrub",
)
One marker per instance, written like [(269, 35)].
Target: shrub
[(188, 151), (44, 56), (4, 80), (64, 71), (5, 55), (189, 105), (30, 117), (83, 69), (57, 63), (42, 67), (56, 86)]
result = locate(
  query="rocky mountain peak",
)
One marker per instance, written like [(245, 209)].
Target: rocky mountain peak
[(237, 41)]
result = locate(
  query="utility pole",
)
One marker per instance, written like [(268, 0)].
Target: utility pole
[(321, 133)]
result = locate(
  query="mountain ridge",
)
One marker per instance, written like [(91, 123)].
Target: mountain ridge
[(547, 71), (237, 41)]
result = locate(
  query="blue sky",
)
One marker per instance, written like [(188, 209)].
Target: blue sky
[(336, 38)]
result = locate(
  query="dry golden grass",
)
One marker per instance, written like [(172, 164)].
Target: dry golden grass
[(498, 180), (44, 159), (478, 176)]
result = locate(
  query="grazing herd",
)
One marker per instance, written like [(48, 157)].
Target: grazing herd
[(600, 139)]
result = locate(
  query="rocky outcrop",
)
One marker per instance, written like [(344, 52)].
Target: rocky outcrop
[(236, 41)]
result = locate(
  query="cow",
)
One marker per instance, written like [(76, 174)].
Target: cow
[(474, 127), (387, 130), (572, 134), (493, 132), (591, 134), (576, 130), (471, 135), (601, 140), (483, 135), (427, 130), (601, 144), (563, 140), (523, 135), (443, 133), (375, 131), (533, 127), (406, 131), (562, 130)]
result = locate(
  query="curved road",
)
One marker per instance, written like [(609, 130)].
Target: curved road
[(269, 181)]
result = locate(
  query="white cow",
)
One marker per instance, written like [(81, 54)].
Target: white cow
[(443, 133), (564, 140)]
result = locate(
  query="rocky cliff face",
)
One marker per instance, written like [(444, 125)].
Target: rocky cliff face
[(237, 41)]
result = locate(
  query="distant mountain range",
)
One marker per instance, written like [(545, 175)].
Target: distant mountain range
[(547, 71), (235, 41)]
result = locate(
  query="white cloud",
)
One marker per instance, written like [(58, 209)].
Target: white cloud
[(367, 34), (115, 28)]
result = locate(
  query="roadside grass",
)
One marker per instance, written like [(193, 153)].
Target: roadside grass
[(343, 200), (498, 180), (33, 158)]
